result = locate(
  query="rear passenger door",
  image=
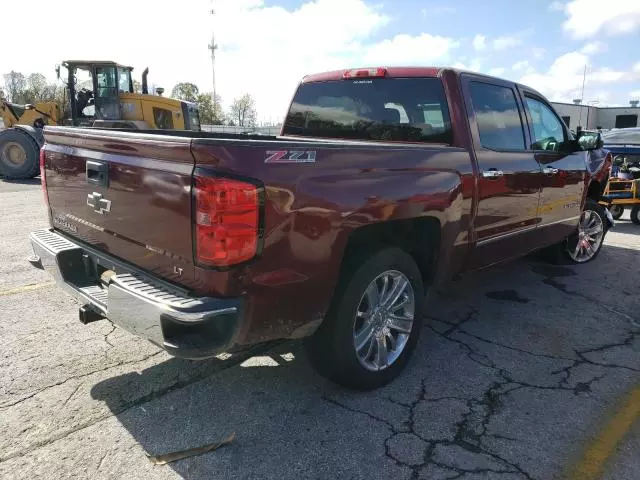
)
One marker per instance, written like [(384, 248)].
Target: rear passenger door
[(563, 170), (509, 177)]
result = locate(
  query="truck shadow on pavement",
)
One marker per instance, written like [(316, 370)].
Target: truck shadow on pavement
[(515, 369)]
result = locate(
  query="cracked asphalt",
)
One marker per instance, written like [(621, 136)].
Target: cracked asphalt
[(522, 372)]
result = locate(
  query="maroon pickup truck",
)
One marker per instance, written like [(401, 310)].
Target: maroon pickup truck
[(382, 183)]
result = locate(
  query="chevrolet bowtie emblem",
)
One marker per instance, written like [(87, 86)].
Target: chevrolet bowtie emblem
[(98, 204)]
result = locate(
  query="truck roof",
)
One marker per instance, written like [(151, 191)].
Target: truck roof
[(398, 72)]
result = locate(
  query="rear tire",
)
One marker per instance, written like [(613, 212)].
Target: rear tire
[(635, 214), (386, 331), (616, 211), (19, 155)]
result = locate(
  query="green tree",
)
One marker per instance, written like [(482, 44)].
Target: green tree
[(243, 111), (186, 91), (210, 113)]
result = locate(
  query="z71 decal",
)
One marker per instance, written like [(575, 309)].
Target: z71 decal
[(290, 156)]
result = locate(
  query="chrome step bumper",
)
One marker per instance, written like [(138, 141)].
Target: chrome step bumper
[(186, 326)]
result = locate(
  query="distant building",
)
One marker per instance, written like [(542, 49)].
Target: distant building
[(592, 117)]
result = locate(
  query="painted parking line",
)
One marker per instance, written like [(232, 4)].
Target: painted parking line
[(25, 288), (599, 450)]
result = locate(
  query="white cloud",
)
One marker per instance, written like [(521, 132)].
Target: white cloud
[(563, 80), (523, 66), (635, 95), (636, 67), (473, 66), (589, 18), (505, 42), (593, 47), (479, 42), (497, 71), (556, 7), (409, 50), (538, 52)]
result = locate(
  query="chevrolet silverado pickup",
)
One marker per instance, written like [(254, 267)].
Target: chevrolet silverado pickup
[(383, 182)]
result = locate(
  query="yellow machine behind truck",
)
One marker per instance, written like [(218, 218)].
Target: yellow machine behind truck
[(107, 101)]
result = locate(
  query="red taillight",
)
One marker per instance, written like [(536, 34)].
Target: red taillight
[(364, 72), (43, 178), (226, 217)]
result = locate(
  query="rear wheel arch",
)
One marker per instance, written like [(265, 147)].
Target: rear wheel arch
[(419, 237)]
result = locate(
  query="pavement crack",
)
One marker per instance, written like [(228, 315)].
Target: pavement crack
[(332, 401), (75, 377), (102, 461), (124, 407), (75, 390), (106, 337), (515, 349)]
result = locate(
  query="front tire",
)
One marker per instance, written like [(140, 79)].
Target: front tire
[(373, 323), (585, 245)]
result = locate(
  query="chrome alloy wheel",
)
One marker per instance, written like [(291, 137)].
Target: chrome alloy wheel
[(589, 238), (383, 321)]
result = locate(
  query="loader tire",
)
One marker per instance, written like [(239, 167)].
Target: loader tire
[(19, 155)]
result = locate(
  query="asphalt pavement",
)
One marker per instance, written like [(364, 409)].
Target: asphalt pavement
[(523, 371)]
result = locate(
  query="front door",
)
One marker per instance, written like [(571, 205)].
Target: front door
[(509, 176), (563, 170)]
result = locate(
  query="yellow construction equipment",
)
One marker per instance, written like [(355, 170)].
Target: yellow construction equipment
[(108, 100)]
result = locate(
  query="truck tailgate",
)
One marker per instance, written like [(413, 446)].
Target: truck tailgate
[(128, 195)]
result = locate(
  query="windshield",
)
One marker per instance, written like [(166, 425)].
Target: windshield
[(631, 136), (385, 109), (106, 80)]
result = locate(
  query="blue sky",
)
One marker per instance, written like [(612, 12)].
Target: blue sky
[(266, 46)]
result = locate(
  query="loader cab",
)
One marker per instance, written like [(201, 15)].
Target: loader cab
[(94, 90)]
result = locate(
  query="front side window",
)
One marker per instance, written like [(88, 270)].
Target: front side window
[(124, 80), (497, 116), (547, 127), (385, 109)]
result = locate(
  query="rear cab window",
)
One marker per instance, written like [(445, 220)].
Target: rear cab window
[(498, 117), (382, 109)]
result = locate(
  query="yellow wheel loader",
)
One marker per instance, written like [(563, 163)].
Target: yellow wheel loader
[(107, 100)]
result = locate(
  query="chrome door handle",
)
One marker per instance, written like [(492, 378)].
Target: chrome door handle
[(550, 170), (492, 173)]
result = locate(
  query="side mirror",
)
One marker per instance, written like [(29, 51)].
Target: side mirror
[(58, 71), (590, 140)]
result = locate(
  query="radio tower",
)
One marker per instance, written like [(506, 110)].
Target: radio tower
[(213, 47)]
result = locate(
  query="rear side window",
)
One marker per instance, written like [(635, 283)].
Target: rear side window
[(497, 116), (385, 109)]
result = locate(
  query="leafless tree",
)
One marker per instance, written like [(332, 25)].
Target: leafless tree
[(243, 111)]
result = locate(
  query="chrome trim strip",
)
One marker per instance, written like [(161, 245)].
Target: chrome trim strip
[(525, 230)]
